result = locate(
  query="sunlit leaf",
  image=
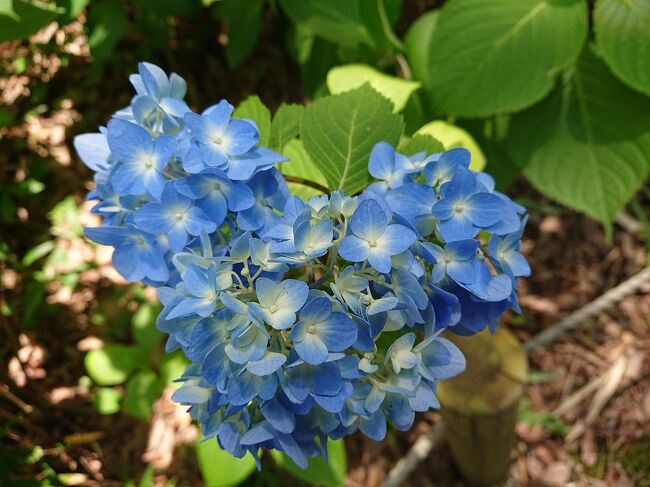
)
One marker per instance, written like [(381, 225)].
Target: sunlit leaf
[(452, 136), (339, 132), (301, 166), (319, 472), (112, 364), (488, 57), (253, 109), (142, 390), (285, 126), (219, 468), (107, 400), (623, 35), (350, 76), (588, 144)]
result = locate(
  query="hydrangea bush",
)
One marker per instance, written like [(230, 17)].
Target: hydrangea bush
[(303, 320)]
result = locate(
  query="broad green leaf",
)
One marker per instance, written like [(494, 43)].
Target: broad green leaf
[(219, 468), (420, 143), (253, 109), (339, 132), (350, 76), (285, 126), (19, 19), (496, 56), (318, 472), (143, 325), (417, 41), (112, 364), (142, 390), (301, 166), (243, 27), (452, 136), (623, 35), (107, 400), (588, 144), (336, 21), (107, 23)]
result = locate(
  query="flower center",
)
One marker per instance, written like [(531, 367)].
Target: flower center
[(372, 243), (459, 207), (273, 308), (311, 329), (311, 245), (179, 216)]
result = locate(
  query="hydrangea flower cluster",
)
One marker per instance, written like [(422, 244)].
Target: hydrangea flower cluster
[(303, 320)]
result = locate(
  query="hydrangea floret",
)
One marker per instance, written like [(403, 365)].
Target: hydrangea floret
[(303, 320)]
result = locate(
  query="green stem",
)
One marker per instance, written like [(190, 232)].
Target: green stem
[(388, 30)]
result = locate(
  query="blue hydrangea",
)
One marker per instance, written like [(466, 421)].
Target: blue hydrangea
[(303, 320)]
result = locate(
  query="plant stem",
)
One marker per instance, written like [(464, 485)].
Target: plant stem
[(306, 182)]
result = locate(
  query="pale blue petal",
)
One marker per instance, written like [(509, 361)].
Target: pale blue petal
[(354, 249), (368, 221)]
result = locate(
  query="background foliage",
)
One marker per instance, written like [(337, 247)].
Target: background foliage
[(553, 91)]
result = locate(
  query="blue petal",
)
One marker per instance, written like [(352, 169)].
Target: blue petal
[(93, 150), (311, 349), (368, 221), (382, 161), (354, 249), (337, 332), (267, 365), (292, 295), (127, 140), (396, 239)]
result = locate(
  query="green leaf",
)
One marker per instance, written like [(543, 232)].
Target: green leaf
[(112, 364), (143, 325), (588, 144), (420, 143), (379, 17), (253, 109), (72, 8), (451, 137), (301, 166), (623, 35), (318, 472), (38, 252), (495, 56), (417, 41), (546, 420), (219, 468), (350, 76), (142, 390), (107, 400), (339, 132), (107, 23), (285, 126), (171, 367), (20, 19), (336, 21), (243, 27)]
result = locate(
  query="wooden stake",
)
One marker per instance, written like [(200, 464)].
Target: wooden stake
[(480, 405)]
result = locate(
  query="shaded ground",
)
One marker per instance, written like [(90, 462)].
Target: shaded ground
[(45, 401)]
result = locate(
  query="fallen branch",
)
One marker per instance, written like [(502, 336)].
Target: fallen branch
[(418, 452), (577, 318), (610, 382)]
